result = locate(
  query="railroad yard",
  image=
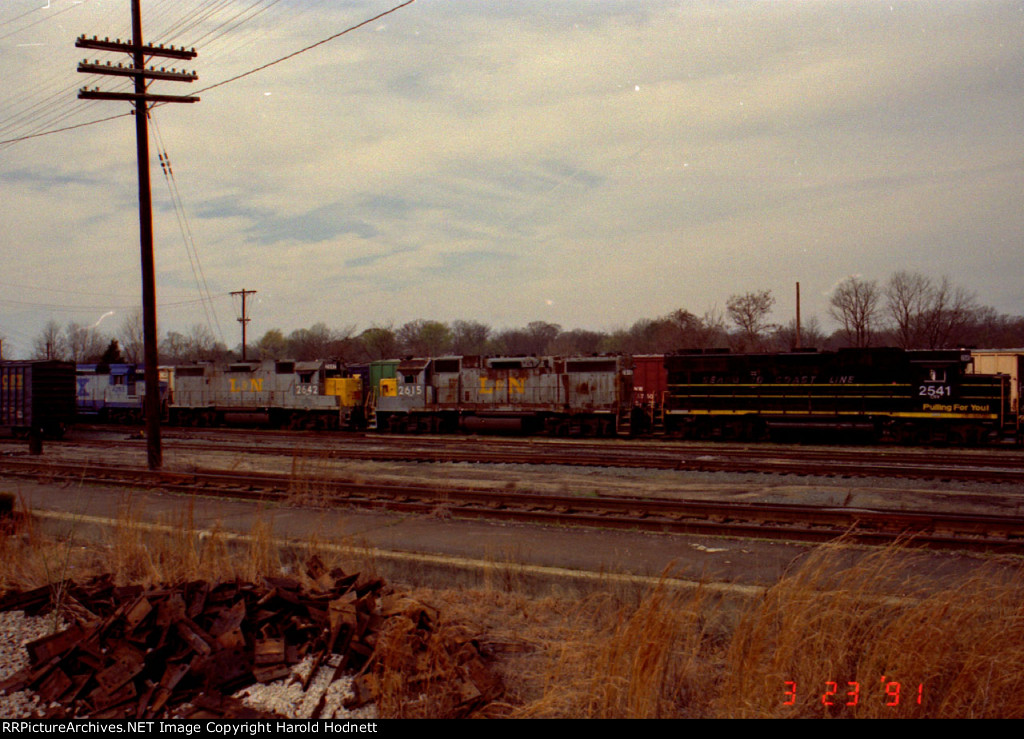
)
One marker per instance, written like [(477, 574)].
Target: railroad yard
[(544, 518)]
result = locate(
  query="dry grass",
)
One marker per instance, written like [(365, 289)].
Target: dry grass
[(645, 660), (421, 670), (878, 634), (139, 552), (310, 473), (843, 617), (175, 550)]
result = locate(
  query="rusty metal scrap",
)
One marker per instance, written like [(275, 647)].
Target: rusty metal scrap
[(140, 653)]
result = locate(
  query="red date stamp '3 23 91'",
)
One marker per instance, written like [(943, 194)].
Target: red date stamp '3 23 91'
[(852, 694)]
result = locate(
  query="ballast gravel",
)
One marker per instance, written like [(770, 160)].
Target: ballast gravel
[(17, 630), (284, 697)]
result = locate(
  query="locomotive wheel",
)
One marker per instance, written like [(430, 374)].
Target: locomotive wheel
[(754, 429), (907, 434)]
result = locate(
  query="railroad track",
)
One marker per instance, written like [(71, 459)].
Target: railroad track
[(759, 520), (934, 464)]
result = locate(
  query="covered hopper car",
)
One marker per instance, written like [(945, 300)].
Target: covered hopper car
[(37, 397)]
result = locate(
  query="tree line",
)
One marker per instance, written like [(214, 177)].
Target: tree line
[(909, 310), (913, 311)]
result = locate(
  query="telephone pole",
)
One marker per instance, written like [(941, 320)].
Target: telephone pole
[(244, 319), (137, 70)]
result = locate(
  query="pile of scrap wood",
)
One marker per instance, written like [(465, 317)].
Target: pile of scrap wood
[(135, 652)]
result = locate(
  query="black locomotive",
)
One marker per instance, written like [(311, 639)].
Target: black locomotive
[(889, 394)]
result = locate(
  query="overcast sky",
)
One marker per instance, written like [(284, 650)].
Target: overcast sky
[(586, 163)]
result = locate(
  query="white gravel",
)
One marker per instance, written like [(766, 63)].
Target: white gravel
[(17, 630), (287, 698), (284, 697)]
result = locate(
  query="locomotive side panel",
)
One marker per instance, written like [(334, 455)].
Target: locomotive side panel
[(911, 396), (279, 393), (510, 385), (560, 395)]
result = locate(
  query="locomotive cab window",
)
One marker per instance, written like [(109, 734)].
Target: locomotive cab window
[(506, 364), (591, 365)]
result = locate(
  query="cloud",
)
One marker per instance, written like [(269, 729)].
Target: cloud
[(478, 159)]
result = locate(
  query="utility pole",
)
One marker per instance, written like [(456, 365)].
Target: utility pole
[(244, 319), (797, 316), (139, 51)]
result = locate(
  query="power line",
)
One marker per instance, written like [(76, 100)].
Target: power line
[(36, 23), (224, 82), (186, 232), (307, 48), (66, 128)]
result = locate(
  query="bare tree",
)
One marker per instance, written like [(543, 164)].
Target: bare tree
[(85, 344), (131, 336), (811, 335), (750, 314), (378, 342), (345, 346), (50, 343), (470, 337), (532, 340), (578, 342), (272, 345), (541, 334), (907, 295), (315, 342), (174, 348), (929, 315), (854, 304), (200, 342), (422, 338), (950, 311)]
